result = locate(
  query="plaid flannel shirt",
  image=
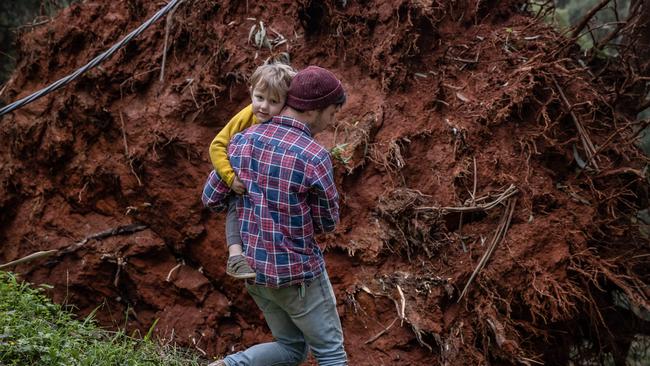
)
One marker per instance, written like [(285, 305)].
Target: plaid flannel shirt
[(290, 196)]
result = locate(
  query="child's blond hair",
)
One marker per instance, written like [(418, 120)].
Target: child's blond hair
[(274, 77)]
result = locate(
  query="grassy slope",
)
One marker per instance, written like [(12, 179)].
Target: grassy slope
[(34, 331)]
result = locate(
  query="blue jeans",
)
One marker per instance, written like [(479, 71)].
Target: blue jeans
[(301, 317)]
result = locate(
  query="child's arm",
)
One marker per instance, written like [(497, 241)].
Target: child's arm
[(219, 146)]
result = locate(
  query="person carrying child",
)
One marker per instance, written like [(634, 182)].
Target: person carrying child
[(290, 196), (268, 87)]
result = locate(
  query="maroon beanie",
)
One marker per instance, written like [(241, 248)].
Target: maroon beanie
[(314, 88)]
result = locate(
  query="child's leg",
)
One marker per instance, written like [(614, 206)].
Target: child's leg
[(235, 249), (237, 265), (233, 237)]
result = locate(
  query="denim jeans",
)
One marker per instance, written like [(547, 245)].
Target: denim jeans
[(301, 318)]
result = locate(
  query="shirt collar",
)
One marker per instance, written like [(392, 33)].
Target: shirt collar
[(292, 122)]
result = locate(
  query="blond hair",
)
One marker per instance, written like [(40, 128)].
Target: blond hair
[(274, 77)]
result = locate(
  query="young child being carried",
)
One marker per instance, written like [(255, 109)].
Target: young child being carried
[(268, 86)]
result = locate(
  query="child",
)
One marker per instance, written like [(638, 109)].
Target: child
[(268, 86)]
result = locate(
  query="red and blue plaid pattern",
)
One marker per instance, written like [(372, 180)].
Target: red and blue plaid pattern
[(290, 196)]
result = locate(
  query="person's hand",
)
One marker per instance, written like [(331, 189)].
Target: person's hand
[(237, 186)]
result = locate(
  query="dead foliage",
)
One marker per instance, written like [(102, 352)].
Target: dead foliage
[(411, 231)]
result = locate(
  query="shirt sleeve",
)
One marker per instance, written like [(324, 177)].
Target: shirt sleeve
[(219, 146), (215, 193), (323, 197)]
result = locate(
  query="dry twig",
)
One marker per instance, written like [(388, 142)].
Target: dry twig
[(496, 239), (590, 150), (507, 193), (29, 258), (402, 308), (171, 272), (386, 329), (168, 25), (3, 89), (129, 158), (126, 229)]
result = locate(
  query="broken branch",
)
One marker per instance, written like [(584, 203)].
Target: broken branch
[(126, 229)]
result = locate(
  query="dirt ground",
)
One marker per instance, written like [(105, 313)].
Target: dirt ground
[(462, 147)]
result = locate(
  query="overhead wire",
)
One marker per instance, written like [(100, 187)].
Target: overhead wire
[(93, 63)]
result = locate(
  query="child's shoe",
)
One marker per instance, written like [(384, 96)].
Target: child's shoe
[(238, 267)]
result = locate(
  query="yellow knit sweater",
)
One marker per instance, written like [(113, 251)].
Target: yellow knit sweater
[(219, 146)]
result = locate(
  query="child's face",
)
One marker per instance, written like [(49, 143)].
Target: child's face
[(265, 105)]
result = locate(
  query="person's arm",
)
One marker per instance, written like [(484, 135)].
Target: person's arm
[(219, 146), (215, 193), (323, 197)]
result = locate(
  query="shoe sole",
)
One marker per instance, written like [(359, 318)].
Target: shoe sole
[(242, 276)]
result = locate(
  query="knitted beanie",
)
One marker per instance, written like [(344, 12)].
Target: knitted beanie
[(314, 88)]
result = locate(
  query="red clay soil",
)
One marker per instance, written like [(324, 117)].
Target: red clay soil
[(450, 104)]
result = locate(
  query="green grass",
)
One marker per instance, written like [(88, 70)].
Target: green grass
[(34, 331), (337, 153)]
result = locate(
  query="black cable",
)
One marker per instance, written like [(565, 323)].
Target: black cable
[(94, 62)]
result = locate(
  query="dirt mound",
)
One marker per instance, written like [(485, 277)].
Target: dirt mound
[(487, 182)]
